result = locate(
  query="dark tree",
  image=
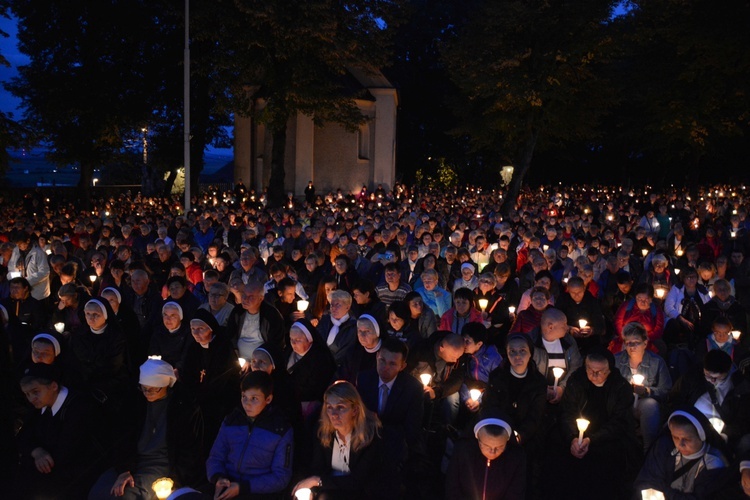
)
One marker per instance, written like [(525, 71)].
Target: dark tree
[(293, 57), (531, 75)]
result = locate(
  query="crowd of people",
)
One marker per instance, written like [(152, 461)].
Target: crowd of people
[(387, 344)]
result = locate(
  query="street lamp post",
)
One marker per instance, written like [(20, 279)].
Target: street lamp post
[(186, 106)]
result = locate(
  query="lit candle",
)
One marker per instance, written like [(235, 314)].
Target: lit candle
[(302, 305), (637, 380), (582, 323), (483, 304), (162, 487), (92, 278), (511, 309), (242, 362), (679, 252), (652, 494), (49, 252), (475, 394), (426, 378), (565, 280), (717, 424), (557, 372), (303, 494), (677, 271), (644, 251), (733, 233), (60, 327), (660, 293), (582, 424), (736, 334)]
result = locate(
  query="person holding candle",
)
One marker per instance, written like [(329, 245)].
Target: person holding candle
[(721, 338), (529, 319), (584, 313), (347, 457), (489, 465), (597, 393), (554, 347), (652, 392), (482, 357), (642, 309), (723, 304), (688, 461), (160, 436), (461, 313), (251, 457), (255, 322), (170, 338)]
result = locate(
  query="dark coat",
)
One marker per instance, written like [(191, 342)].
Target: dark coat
[(345, 339), (100, 362), (212, 377), (523, 400), (469, 476), (312, 374), (365, 478), (171, 346), (404, 409), (184, 438), (424, 360), (271, 325)]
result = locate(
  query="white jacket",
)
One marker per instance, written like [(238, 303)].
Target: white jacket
[(35, 270)]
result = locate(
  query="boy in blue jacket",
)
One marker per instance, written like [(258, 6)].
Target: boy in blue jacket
[(252, 455)]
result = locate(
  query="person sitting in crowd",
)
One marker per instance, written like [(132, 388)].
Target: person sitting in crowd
[(337, 328), (252, 454), (420, 315), (482, 359), (489, 465), (161, 436), (348, 454), (530, 318), (461, 313), (55, 461), (687, 461), (655, 382)]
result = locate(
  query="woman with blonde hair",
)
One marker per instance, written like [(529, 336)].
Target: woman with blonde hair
[(347, 454)]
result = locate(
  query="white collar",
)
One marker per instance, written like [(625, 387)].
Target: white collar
[(61, 397), (375, 349), (388, 384)]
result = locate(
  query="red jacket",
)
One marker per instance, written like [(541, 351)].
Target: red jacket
[(651, 319), (446, 321)]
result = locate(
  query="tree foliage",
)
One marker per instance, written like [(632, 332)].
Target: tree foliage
[(294, 56), (530, 73)]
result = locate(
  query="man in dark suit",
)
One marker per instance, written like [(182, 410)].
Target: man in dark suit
[(399, 403)]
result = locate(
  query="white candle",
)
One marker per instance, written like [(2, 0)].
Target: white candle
[(717, 424), (557, 372), (60, 327), (659, 293), (582, 424), (302, 305), (162, 487), (652, 494), (242, 362), (644, 251), (582, 323), (426, 378), (637, 380), (92, 278), (511, 309), (483, 304), (303, 494), (677, 271), (475, 394), (736, 334)]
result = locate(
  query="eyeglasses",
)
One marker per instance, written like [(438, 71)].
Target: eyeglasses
[(634, 344), (597, 373)]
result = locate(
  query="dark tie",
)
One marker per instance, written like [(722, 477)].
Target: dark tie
[(383, 399)]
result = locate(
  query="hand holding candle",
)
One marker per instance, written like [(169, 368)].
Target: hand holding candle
[(302, 305), (637, 380), (582, 424), (475, 394), (557, 372), (162, 487), (483, 304)]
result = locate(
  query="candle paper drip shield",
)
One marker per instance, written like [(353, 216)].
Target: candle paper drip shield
[(302, 305), (426, 378), (162, 487)]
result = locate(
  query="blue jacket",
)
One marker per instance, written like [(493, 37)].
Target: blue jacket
[(257, 455), (479, 367)]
